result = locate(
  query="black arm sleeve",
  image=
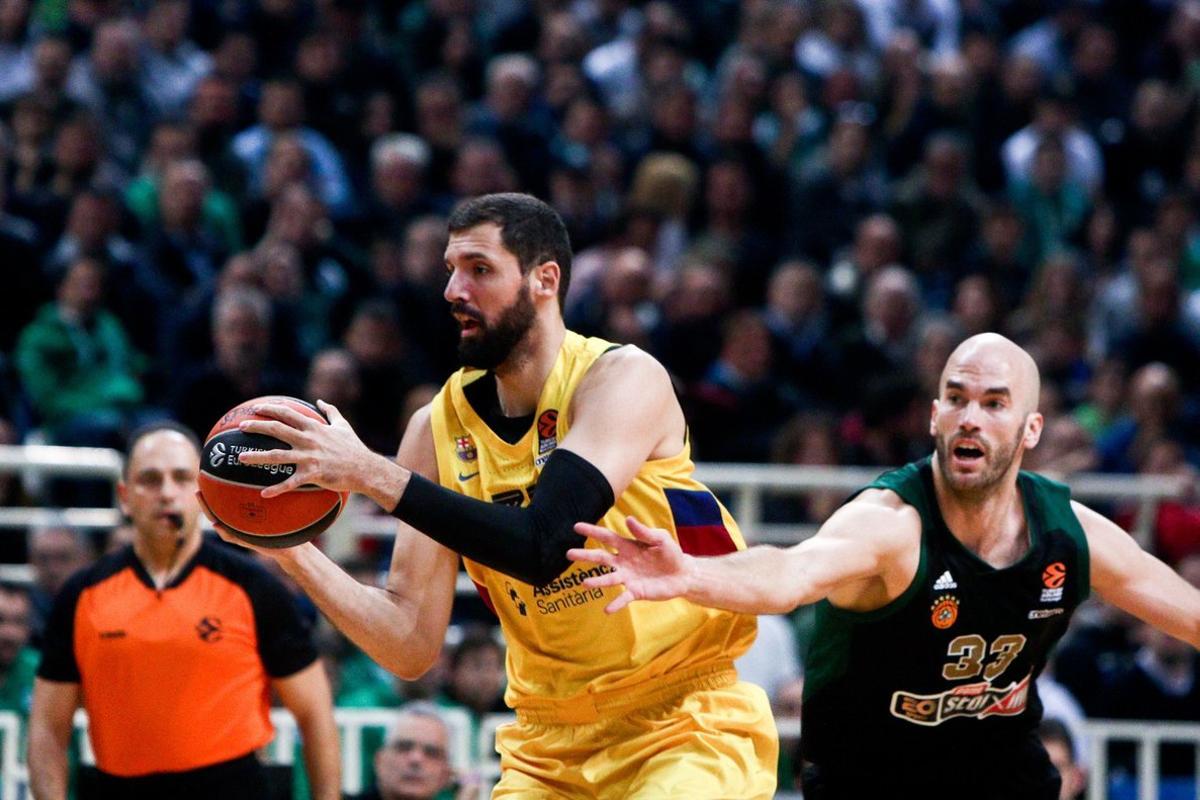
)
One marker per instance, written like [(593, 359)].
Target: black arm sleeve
[(529, 544)]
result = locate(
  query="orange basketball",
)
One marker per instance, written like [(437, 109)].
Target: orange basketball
[(232, 489)]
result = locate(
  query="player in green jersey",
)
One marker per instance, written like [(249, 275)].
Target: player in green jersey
[(942, 588)]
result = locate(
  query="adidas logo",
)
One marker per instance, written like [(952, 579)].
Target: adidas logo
[(945, 582)]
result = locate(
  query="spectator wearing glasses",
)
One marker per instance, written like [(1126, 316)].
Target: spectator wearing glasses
[(414, 762)]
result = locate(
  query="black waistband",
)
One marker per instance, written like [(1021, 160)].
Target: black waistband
[(161, 781)]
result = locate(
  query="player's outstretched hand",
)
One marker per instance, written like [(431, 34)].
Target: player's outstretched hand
[(650, 566), (330, 455)]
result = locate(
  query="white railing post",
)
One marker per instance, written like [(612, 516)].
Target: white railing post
[(1196, 772), (87, 756), (1143, 523), (1097, 767), (749, 507), (460, 724), (1147, 767), (12, 771), (351, 758), (1148, 737)]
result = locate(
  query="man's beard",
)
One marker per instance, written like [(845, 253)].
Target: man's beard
[(494, 342), (998, 459)]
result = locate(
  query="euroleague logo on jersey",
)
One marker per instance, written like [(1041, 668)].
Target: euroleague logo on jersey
[(547, 431), (1055, 575), (945, 611), (209, 629), (547, 424), (1053, 578)]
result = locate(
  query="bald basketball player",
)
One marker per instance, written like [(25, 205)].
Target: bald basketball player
[(941, 588)]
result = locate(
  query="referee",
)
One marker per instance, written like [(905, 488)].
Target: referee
[(173, 644)]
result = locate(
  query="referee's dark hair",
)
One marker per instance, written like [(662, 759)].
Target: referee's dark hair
[(530, 229), (154, 427)]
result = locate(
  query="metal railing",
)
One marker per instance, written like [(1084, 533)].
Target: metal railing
[(34, 462), (353, 723), (1147, 736), (67, 462), (747, 486)]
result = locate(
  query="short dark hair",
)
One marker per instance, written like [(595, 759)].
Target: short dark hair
[(475, 639), (378, 309), (529, 229), (154, 427)]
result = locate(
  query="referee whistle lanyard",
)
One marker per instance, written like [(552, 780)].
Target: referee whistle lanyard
[(161, 584)]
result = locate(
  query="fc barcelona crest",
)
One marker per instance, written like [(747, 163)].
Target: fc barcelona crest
[(464, 446)]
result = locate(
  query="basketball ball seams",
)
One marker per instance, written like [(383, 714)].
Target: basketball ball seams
[(290, 538), (249, 410), (334, 510), (308, 487), (245, 510)]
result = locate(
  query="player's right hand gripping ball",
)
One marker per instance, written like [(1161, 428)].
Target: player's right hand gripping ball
[(232, 489)]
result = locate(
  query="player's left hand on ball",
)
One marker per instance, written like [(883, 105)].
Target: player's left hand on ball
[(329, 455), (651, 566)]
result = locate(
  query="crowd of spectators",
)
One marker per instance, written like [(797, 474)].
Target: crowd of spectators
[(799, 206)]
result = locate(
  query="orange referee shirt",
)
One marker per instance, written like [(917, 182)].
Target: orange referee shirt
[(177, 679)]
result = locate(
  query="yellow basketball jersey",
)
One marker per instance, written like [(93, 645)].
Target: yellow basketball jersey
[(560, 641)]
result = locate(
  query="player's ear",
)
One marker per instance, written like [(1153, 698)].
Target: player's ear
[(122, 497), (1033, 430), (933, 409), (546, 278)]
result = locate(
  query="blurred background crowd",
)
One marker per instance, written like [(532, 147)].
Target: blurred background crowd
[(799, 206)]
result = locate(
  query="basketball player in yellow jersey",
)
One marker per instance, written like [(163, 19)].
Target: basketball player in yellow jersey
[(544, 429)]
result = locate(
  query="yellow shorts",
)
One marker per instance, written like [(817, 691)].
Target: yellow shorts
[(713, 743)]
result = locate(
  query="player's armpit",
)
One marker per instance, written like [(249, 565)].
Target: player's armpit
[(1132, 579), (865, 555)]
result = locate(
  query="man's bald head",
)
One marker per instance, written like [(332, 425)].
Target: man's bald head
[(999, 357)]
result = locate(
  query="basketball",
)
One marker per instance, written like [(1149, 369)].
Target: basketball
[(232, 489)]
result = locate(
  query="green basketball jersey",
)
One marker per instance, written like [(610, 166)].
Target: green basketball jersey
[(944, 675)]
